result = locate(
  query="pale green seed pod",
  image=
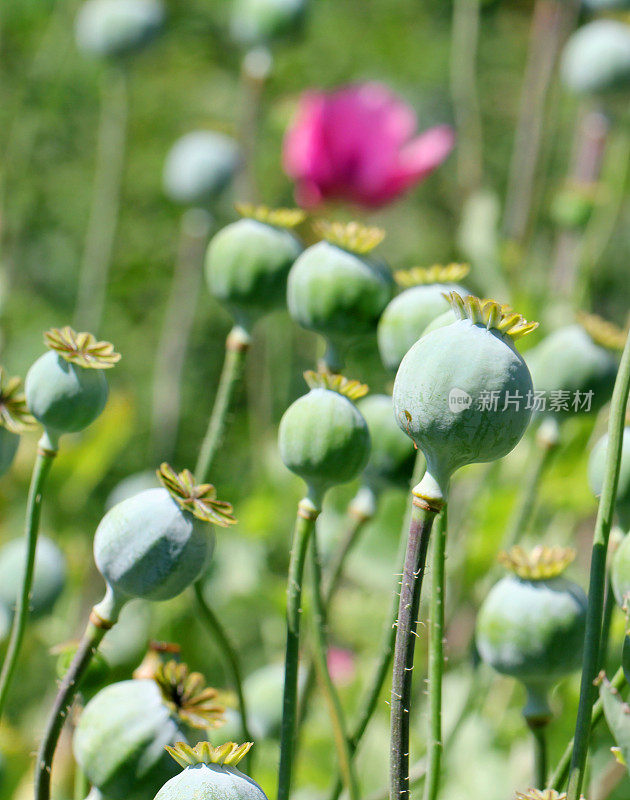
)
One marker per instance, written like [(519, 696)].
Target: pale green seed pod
[(460, 392), (49, 578), (596, 470), (263, 21), (531, 624), (157, 543), (620, 572), (117, 28), (392, 454), (199, 167), (9, 443), (247, 263), (337, 290), (569, 361), (323, 437), (596, 58), (407, 316), (122, 733), (210, 773)]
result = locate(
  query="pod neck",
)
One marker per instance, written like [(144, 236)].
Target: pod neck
[(536, 710)]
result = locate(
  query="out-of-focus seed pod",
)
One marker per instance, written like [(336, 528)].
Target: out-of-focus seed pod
[(256, 22), (596, 58), (49, 580), (596, 469), (117, 28), (199, 167)]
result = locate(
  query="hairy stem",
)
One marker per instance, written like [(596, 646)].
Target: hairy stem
[(337, 718), (561, 772), (597, 582), (436, 658), (229, 653), (422, 517), (178, 321), (105, 203), (43, 463), (304, 526), (68, 688), (236, 346)]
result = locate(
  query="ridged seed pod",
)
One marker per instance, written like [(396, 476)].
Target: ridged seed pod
[(117, 28), (531, 625), (210, 773)]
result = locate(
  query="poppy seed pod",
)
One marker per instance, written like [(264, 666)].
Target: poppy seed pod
[(620, 572), (460, 392), (248, 261), (336, 290), (596, 58), (597, 467), (15, 418), (66, 389), (116, 28), (49, 577), (262, 21), (210, 772), (570, 361), (122, 732), (323, 437), (531, 625), (406, 317), (157, 543), (392, 454), (199, 166)]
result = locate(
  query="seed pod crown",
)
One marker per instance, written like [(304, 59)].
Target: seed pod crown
[(228, 754)]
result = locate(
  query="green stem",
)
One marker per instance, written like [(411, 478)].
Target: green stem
[(105, 202), (436, 658), (561, 772), (177, 324), (539, 737), (229, 653), (337, 718), (422, 517), (41, 468), (358, 518), (609, 607), (522, 517), (236, 346), (67, 691), (304, 526), (588, 690)]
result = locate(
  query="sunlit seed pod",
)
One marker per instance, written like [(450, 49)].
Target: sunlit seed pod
[(49, 577), (116, 28), (263, 21), (569, 361), (532, 628), (324, 439), (199, 167), (596, 58), (247, 264), (392, 454), (407, 316), (597, 468), (460, 392), (210, 775)]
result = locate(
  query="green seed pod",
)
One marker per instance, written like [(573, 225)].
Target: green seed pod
[(116, 28), (531, 625), (323, 437), (49, 578), (199, 166), (392, 454), (406, 317), (157, 543), (14, 419), (210, 773), (597, 467), (66, 389), (570, 361), (596, 58), (121, 735), (262, 21), (620, 572), (248, 261), (338, 291), (460, 392)]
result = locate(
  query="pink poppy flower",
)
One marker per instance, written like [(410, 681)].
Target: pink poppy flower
[(357, 144)]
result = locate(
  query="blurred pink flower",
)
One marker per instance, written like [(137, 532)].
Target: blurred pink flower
[(357, 144), (341, 665)]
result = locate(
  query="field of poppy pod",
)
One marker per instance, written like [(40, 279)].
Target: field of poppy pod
[(314, 400)]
